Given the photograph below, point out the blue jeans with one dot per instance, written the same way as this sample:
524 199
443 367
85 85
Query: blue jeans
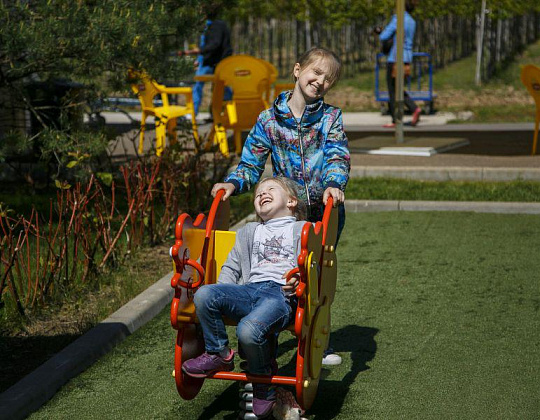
198 88
260 309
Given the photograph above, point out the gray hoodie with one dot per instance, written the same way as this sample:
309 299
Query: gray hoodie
237 267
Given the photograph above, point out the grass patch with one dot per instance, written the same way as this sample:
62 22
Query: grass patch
510 74
516 113
436 316
404 189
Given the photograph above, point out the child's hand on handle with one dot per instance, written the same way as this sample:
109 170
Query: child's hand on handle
227 186
335 193
292 283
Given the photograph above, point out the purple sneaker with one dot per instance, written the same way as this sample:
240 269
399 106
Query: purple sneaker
264 398
206 364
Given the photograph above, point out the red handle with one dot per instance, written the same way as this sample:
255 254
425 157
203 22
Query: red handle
200 271
213 211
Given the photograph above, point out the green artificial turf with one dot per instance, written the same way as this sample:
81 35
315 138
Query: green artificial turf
436 317
405 189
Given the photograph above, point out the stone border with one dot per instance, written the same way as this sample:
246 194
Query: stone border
359 206
457 173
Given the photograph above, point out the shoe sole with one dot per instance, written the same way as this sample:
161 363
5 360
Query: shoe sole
267 414
207 374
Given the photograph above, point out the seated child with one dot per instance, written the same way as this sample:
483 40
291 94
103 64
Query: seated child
252 290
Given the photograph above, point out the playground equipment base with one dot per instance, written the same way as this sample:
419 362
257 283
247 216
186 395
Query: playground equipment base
412 146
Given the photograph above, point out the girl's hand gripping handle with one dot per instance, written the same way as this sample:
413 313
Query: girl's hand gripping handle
226 186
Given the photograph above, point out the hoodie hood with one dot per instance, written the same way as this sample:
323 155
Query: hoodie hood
312 113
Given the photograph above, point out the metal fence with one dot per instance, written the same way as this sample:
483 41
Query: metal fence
504 38
447 38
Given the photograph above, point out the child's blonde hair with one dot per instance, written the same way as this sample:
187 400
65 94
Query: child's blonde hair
317 53
290 188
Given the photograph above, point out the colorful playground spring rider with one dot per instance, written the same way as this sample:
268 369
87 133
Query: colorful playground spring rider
201 248
530 77
165 115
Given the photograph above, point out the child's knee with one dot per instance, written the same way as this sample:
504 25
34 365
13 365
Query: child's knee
248 334
204 295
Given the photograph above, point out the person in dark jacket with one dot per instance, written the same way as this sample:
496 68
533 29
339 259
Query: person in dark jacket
214 46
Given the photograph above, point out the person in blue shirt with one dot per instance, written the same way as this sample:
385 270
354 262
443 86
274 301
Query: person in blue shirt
390 32
214 46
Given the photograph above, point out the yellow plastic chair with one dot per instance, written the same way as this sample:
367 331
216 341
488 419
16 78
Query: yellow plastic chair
280 87
530 76
272 77
249 80
274 87
165 116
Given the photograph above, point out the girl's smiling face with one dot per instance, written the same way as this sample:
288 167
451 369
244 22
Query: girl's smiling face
314 80
272 201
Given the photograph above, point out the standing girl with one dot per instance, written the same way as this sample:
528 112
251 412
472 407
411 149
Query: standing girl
306 141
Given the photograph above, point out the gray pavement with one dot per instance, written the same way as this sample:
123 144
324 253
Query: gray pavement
491 152
370 121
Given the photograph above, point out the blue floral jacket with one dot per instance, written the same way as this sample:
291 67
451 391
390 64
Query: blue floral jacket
313 151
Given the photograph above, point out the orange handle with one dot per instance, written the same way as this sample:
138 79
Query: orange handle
200 271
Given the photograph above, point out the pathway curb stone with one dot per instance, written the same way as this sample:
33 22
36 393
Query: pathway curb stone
429 173
360 206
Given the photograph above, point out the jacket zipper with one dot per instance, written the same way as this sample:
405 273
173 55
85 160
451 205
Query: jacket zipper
302 160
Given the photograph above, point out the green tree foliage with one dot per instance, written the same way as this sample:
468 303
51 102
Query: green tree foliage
93 43
85 40
343 11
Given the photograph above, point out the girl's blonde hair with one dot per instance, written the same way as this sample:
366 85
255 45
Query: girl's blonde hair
318 53
291 189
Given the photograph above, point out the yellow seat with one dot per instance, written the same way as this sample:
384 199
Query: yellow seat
249 80
165 116
273 87
530 76
280 87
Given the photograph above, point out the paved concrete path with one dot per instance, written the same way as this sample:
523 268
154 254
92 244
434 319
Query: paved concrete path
371 121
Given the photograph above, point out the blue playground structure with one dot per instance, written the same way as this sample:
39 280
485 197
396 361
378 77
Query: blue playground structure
424 89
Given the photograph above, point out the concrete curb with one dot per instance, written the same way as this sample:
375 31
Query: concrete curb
359 206
429 173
